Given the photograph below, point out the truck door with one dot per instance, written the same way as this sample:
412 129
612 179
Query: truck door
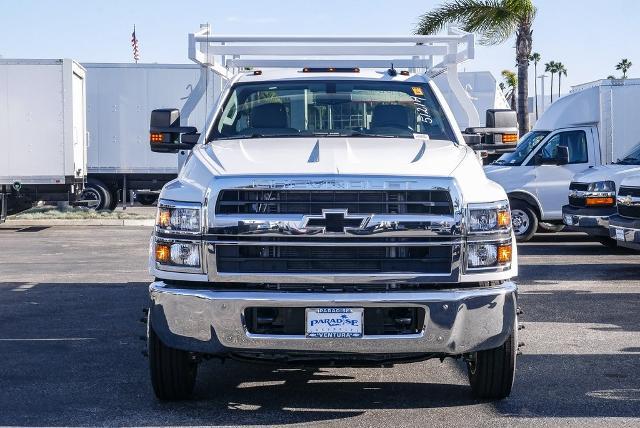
552 180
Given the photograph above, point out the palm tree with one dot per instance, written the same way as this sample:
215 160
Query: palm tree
624 66
496 21
550 67
535 57
560 69
511 82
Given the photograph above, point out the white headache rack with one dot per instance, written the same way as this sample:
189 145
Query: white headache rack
228 55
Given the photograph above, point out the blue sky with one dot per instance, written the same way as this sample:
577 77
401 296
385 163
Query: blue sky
588 36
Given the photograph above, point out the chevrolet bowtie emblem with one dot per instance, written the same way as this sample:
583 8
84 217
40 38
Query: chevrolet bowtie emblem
335 221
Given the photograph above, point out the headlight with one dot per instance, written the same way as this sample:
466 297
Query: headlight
179 216
487 255
489 217
602 186
177 254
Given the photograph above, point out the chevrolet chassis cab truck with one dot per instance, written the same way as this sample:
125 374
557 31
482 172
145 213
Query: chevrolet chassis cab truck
329 212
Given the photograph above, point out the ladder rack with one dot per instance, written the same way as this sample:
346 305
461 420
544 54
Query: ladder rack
228 55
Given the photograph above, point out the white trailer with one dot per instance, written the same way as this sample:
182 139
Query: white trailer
120 98
481 88
43 126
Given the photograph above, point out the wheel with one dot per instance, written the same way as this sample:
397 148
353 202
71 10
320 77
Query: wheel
97 194
607 241
524 220
549 227
146 199
492 372
173 371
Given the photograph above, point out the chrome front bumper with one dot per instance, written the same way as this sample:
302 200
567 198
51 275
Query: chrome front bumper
593 222
625 231
457 321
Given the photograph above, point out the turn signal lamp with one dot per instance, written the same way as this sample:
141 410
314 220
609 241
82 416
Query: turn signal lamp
164 218
606 201
504 218
504 254
155 137
163 253
509 138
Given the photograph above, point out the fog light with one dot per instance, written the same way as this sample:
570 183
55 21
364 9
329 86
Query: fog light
482 255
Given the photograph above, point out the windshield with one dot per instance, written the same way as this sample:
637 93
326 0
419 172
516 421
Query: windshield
526 144
331 108
632 158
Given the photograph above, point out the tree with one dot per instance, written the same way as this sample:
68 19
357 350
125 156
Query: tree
510 84
496 21
535 57
611 76
560 69
551 67
624 65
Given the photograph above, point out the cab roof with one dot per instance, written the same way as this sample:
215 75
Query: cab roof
299 74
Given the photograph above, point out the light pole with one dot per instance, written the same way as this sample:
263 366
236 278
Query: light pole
542 77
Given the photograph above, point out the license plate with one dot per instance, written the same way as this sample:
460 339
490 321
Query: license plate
334 323
619 234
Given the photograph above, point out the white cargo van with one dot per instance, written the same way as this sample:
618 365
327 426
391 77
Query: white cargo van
120 98
596 124
43 128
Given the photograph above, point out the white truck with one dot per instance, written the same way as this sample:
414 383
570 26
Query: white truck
43 126
120 98
329 212
592 197
596 124
624 226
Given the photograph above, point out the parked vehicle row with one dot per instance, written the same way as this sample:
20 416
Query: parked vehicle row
579 151
78 132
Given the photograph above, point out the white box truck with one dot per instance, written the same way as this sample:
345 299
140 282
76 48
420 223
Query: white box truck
596 124
43 126
120 98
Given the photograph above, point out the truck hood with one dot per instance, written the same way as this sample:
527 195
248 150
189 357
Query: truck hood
388 156
614 173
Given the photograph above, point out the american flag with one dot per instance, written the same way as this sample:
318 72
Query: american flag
134 44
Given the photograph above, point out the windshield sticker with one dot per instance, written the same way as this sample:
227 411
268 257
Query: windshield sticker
422 110
417 90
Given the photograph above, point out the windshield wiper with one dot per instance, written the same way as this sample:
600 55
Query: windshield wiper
628 161
366 134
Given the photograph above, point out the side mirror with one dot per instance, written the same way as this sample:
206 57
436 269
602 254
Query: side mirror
562 155
166 135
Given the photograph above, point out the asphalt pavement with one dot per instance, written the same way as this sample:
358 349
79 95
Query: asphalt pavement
71 354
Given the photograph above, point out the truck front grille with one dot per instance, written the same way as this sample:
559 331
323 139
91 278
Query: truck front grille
334 259
624 210
435 202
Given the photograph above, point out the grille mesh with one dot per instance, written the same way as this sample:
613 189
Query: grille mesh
336 259
436 202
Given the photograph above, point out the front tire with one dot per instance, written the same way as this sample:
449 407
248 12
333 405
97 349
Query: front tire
492 372
173 371
147 199
524 220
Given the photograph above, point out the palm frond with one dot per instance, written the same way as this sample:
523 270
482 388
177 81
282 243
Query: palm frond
492 19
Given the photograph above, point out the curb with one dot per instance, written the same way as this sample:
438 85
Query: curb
87 222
